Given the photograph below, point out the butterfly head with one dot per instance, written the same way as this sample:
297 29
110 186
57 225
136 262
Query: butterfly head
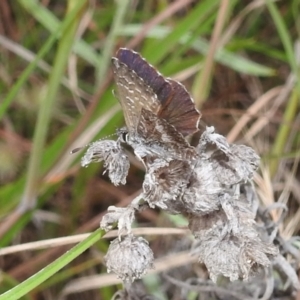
123 134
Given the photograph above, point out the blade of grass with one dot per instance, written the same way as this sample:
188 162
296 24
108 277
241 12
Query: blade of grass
291 108
285 38
29 56
223 56
13 229
66 275
159 18
283 33
193 20
11 193
35 280
46 108
52 23
118 22
8 283
296 12
256 46
44 50
202 83
284 131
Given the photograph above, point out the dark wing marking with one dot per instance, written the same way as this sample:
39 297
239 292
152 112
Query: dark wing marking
180 110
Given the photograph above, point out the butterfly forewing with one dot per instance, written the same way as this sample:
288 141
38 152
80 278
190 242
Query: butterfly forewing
173 101
139 86
132 93
158 112
153 79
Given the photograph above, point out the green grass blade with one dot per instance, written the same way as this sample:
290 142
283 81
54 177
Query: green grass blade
235 61
223 56
45 111
52 23
193 20
283 33
118 21
44 50
35 280
284 131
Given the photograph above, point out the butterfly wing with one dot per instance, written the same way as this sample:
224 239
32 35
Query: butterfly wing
180 110
157 131
151 78
140 86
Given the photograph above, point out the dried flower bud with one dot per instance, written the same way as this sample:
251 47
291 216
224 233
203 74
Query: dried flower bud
202 194
165 183
224 253
210 140
214 247
236 166
212 225
115 160
129 257
123 215
231 164
255 255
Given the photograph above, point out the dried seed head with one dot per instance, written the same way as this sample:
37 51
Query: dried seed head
115 160
210 141
255 255
215 247
231 164
123 215
236 166
165 183
224 253
129 257
202 195
203 182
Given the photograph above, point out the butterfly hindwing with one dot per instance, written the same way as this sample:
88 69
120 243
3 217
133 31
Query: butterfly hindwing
180 110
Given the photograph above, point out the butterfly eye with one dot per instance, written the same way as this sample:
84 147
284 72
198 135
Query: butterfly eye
124 137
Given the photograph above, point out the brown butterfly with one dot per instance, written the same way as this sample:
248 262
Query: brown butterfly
158 112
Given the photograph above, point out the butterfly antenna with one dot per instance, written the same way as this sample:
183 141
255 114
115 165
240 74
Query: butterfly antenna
75 150
110 135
